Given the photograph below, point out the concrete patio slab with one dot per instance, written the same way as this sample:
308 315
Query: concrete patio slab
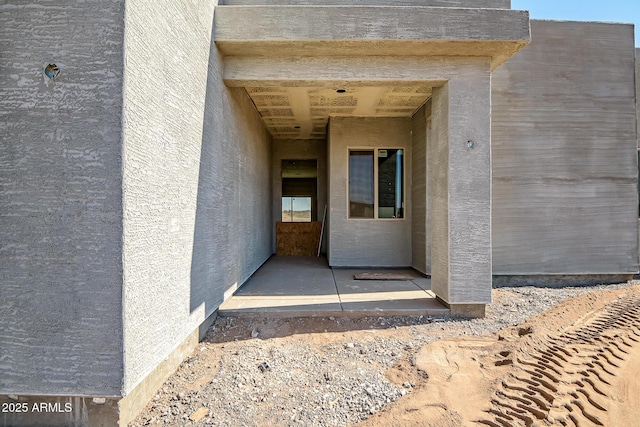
307 287
291 277
398 307
391 297
423 283
281 306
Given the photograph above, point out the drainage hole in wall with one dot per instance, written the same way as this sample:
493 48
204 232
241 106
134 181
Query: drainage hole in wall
52 71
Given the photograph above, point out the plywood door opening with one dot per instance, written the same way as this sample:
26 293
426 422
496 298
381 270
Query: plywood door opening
297 238
299 231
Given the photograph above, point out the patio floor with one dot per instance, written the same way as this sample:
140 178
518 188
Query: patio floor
308 287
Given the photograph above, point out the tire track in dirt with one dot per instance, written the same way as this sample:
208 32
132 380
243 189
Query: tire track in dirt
566 380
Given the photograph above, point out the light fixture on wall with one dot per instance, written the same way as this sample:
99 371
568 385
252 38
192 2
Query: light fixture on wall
470 144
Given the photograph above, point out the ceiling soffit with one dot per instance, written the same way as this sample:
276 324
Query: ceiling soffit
281 57
303 112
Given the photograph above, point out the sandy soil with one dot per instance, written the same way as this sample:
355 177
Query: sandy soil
577 364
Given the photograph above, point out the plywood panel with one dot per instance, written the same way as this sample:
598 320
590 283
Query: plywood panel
297 238
291 149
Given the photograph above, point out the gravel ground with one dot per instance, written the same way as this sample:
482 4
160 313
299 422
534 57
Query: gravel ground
320 371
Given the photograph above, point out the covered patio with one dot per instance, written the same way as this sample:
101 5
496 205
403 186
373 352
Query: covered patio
355 77
308 287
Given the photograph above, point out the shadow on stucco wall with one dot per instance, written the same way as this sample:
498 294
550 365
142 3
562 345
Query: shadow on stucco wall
205 271
232 234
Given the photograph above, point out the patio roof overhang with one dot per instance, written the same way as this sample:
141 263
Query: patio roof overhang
302 64
320 31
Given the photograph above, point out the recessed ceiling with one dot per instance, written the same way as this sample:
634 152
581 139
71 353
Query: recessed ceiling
299 168
303 112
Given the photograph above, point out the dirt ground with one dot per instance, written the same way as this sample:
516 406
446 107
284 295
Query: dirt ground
575 364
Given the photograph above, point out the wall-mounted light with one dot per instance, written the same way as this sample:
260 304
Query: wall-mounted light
470 144
52 71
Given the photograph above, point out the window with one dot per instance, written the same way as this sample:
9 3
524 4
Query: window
296 209
390 191
361 190
376 187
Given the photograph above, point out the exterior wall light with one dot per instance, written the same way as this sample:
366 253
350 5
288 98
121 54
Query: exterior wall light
470 144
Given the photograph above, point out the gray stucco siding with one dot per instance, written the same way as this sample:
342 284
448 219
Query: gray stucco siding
294 23
420 250
499 4
564 153
359 242
60 198
197 192
461 181
637 77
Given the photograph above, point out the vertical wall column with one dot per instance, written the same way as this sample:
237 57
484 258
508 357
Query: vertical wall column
460 160
420 235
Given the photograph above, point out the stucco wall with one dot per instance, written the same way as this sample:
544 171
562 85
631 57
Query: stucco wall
197 169
420 238
297 150
637 76
366 242
60 198
501 4
438 167
461 190
564 153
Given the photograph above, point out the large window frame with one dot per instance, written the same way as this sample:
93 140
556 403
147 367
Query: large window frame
376 153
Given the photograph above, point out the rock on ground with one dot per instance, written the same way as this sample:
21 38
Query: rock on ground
340 371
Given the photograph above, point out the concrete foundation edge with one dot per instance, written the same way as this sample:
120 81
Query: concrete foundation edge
560 280
99 411
134 402
466 311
